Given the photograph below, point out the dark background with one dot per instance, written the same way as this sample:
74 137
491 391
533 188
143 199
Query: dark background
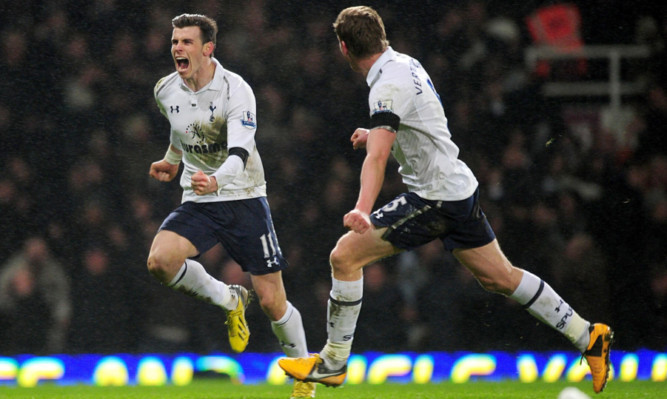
576 200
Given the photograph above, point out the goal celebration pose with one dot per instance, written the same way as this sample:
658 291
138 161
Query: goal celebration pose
212 116
408 121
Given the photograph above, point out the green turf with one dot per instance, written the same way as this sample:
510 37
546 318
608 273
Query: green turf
216 389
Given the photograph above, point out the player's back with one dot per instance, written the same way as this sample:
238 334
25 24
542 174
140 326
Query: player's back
428 157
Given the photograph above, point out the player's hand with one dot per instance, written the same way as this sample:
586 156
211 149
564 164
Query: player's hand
357 221
203 184
163 171
359 138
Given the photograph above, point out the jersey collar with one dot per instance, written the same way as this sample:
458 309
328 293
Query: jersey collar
215 84
376 70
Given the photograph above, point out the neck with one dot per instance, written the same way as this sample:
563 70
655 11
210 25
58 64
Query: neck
364 65
202 77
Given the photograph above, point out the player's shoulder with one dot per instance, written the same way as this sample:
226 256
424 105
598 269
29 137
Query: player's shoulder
165 83
400 69
397 78
236 86
235 80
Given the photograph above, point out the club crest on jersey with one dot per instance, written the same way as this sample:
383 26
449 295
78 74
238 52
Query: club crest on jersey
248 120
212 109
382 106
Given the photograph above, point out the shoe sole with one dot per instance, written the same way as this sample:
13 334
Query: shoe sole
326 382
610 338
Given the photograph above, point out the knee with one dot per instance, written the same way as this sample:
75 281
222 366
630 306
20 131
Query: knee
340 261
161 267
273 306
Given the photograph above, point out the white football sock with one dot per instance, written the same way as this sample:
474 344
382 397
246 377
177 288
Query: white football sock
192 279
541 301
343 311
290 333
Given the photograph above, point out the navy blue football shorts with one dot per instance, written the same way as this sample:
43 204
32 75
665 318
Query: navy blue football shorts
412 221
243 227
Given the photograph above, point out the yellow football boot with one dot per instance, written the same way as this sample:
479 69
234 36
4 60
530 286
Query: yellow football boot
303 389
237 327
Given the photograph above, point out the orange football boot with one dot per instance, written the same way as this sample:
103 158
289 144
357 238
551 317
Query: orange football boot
312 369
597 354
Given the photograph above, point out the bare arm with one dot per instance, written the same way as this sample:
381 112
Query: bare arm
378 149
359 138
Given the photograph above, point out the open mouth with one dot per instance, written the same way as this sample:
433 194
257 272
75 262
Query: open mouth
182 63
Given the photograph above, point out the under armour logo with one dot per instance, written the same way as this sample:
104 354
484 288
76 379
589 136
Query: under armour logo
173 108
287 344
559 305
212 108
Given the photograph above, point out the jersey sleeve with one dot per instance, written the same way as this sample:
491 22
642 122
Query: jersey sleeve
386 107
241 128
156 91
241 118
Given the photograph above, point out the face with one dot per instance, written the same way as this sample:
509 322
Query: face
188 50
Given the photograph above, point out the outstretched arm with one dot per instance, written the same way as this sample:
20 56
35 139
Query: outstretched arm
378 149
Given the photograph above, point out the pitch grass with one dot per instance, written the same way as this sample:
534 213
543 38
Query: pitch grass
218 389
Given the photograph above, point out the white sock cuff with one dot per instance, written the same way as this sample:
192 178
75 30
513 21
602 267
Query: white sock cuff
577 332
286 316
347 291
529 288
179 275
336 354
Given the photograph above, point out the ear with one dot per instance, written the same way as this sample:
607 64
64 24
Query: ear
343 47
208 48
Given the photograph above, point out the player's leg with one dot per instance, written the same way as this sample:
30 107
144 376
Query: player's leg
286 321
252 241
168 262
185 233
496 274
352 252
395 225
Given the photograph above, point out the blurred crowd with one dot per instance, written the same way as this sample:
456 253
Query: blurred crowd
585 211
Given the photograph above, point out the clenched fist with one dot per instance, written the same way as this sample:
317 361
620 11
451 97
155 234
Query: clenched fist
203 184
357 221
163 171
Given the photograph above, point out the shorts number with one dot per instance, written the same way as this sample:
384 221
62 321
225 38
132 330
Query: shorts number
267 246
393 205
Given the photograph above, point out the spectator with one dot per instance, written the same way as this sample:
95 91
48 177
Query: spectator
35 298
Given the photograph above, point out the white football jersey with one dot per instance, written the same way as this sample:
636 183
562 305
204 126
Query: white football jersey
206 123
424 149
